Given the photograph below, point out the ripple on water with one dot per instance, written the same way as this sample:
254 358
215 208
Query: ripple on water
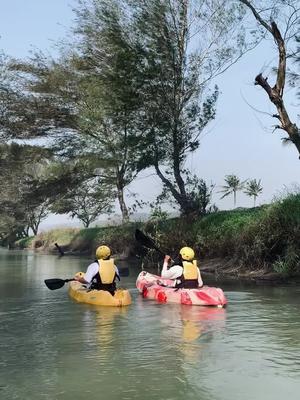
148 350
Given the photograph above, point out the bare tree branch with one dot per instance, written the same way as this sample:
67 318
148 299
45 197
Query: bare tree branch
276 92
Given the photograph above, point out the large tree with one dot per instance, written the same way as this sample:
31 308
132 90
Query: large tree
86 201
94 87
183 45
20 208
110 106
30 106
134 89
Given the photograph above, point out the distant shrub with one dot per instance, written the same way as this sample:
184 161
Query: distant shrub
24 243
288 265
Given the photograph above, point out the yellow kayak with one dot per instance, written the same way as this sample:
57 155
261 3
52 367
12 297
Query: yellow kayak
99 297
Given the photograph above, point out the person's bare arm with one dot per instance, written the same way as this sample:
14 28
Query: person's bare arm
200 282
80 279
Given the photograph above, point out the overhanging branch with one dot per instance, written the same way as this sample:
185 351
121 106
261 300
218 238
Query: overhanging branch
275 93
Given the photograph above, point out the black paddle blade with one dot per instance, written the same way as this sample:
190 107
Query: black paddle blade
54 283
123 271
146 241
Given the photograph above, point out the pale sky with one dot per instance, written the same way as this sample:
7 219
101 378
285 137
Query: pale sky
239 141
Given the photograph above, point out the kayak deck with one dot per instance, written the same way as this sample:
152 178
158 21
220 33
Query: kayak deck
151 288
99 297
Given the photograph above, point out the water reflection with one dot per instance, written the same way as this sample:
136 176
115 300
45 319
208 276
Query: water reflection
192 327
60 349
101 328
200 320
205 322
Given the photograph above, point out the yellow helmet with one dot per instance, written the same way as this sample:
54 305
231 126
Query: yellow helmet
103 252
187 253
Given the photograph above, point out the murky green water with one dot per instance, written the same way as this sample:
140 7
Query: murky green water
54 348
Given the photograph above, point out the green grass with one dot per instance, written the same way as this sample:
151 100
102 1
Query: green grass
25 242
86 240
261 237
61 236
266 236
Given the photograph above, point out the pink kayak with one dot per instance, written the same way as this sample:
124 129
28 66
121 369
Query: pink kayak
151 288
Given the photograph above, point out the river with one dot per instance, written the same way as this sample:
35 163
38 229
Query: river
54 348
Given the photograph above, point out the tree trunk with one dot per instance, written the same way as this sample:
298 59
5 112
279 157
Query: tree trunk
181 198
123 207
178 94
34 223
276 92
120 194
86 224
276 98
177 171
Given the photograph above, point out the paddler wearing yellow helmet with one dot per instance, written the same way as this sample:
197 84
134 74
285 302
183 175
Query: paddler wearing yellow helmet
102 273
184 271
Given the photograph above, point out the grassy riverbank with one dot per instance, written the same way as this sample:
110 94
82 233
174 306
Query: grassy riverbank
264 239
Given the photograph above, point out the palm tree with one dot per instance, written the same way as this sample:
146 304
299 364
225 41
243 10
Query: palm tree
253 189
233 185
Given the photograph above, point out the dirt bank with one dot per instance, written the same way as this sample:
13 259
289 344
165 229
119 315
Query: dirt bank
226 269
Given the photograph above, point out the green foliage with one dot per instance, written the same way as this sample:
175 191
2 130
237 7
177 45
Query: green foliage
61 236
20 207
156 220
157 214
24 243
34 103
256 237
218 232
109 104
130 92
198 196
262 237
86 202
134 90
119 238
177 106
287 265
93 88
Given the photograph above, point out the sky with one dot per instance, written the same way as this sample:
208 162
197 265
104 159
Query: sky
239 141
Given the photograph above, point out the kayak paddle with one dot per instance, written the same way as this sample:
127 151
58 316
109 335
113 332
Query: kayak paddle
146 241
56 283
123 271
